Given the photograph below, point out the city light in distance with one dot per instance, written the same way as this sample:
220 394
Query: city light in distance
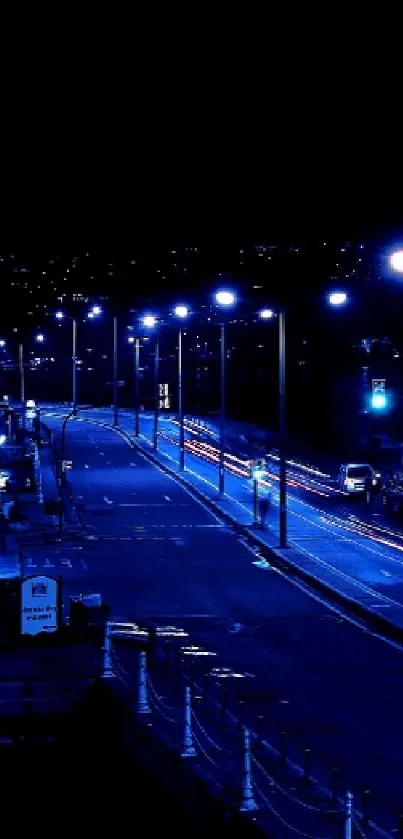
40 338
225 298
149 321
2 343
337 298
96 310
59 315
266 314
130 339
396 261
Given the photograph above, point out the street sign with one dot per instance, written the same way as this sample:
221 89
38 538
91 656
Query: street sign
67 465
39 605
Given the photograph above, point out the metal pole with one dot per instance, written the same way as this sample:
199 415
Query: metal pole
22 379
188 747
282 433
156 391
3 530
247 803
115 371
61 462
107 668
348 815
180 405
142 693
255 502
22 382
222 410
74 360
137 387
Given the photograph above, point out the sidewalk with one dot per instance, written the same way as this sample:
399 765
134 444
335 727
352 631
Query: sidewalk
347 571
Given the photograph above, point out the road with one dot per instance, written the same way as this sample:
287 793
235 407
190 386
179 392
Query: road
155 552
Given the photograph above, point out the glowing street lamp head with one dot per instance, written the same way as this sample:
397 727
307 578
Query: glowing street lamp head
337 298
59 315
40 337
396 261
96 310
225 298
181 311
149 321
379 401
266 314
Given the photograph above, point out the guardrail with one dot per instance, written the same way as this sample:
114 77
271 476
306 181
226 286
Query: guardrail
255 778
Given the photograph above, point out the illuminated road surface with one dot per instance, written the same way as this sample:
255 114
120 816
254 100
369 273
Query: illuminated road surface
153 551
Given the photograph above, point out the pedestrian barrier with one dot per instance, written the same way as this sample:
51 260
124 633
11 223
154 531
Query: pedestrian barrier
261 781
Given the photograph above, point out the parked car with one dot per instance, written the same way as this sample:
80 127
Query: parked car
356 479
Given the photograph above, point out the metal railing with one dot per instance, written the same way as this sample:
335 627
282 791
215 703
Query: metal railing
259 780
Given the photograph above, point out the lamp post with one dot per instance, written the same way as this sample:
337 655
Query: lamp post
282 430
335 299
224 299
149 321
136 369
59 315
115 372
181 312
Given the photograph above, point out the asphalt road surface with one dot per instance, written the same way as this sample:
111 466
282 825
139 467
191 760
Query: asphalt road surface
155 552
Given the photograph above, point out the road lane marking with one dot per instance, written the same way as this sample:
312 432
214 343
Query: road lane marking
167 498
107 500
133 464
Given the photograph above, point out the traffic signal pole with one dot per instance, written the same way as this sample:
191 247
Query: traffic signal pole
282 433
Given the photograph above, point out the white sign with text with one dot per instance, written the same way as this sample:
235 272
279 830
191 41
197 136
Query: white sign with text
39 604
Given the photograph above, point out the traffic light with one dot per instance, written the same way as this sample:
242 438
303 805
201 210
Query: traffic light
379 399
258 468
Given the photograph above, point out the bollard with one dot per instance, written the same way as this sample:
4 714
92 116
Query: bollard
366 797
348 815
283 748
142 700
107 669
334 785
188 747
306 763
247 803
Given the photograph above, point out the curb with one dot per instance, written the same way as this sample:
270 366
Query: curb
379 624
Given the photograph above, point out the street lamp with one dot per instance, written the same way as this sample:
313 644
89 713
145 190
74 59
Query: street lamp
39 338
396 261
150 321
335 299
224 299
136 358
182 313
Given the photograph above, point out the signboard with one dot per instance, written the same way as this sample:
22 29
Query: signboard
164 398
67 465
39 605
